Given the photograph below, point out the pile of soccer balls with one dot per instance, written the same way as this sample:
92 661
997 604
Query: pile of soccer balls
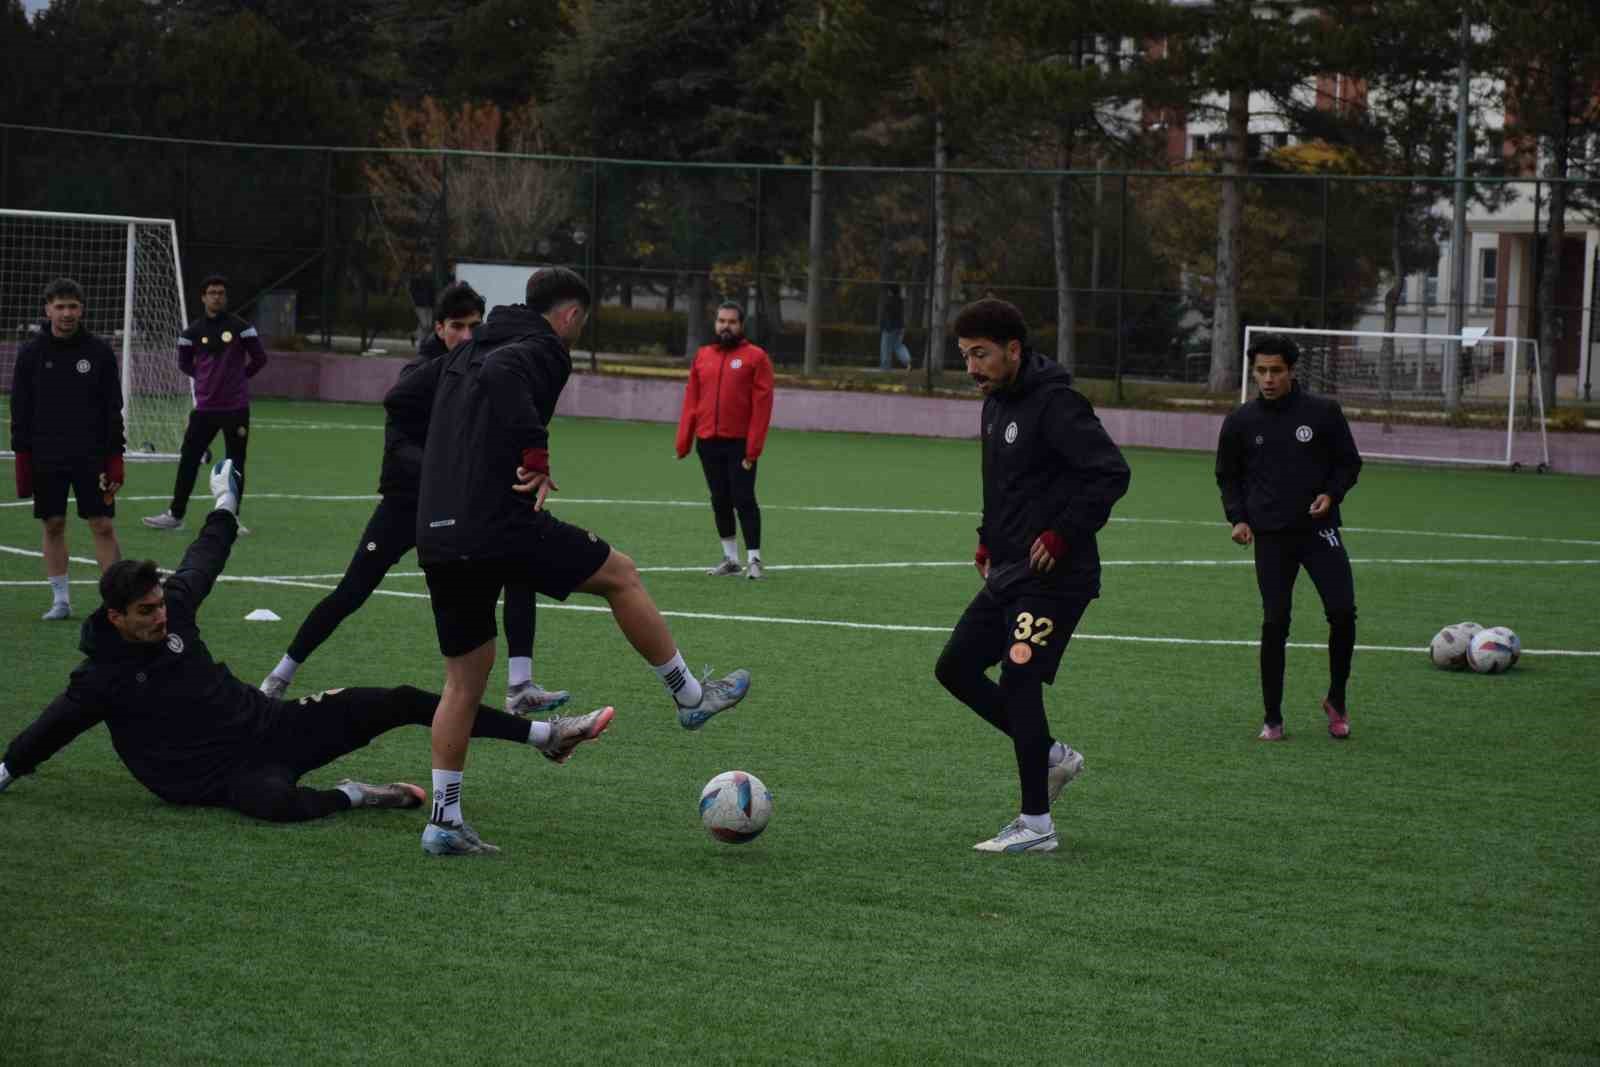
1466 644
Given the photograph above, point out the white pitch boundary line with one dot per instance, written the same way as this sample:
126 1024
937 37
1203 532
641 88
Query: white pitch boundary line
883 627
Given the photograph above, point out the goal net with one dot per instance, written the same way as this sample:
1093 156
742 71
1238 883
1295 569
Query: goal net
133 300
1426 398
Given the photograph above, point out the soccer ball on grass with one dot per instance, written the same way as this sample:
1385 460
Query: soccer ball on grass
1494 650
735 807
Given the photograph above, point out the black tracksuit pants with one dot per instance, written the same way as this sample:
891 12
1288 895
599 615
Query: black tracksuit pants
1279 557
316 730
733 489
197 436
392 532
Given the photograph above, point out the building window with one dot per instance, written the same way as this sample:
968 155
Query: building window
1488 277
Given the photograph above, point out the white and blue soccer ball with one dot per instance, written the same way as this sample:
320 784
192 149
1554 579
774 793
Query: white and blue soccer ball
735 807
1448 649
1494 651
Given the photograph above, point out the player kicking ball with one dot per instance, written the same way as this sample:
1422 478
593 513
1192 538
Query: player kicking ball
1050 477
192 733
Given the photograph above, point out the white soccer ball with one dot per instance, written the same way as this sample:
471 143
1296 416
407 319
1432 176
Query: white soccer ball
735 807
1494 650
1448 649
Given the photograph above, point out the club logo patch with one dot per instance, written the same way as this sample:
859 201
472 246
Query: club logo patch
227 336
205 340
372 546
175 643
1021 653
1259 439
1303 434
1011 433
83 366
736 364
243 430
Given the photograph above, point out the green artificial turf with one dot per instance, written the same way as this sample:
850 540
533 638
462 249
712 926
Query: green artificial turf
1427 891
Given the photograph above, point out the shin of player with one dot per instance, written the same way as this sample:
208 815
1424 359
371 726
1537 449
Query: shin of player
1050 477
1285 461
66 431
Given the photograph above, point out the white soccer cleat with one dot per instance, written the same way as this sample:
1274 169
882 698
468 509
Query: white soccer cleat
274 686
1060 774
58 610
715 697
567 732
1014 836
164 521
455 839
392 795
724 569
529 698
754 572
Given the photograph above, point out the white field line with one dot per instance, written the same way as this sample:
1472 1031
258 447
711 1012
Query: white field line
864 510
842 624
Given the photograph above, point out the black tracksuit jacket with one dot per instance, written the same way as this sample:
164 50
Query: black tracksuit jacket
490 399
66 398
1048 464
179 720
1274 457
406 432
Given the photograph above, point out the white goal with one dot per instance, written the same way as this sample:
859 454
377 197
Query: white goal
133 300
1426 398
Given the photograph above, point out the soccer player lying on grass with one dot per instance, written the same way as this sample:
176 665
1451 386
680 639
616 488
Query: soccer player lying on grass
1050 477
192 733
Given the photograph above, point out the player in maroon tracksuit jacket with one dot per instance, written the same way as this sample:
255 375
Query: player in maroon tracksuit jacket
221 352
66 431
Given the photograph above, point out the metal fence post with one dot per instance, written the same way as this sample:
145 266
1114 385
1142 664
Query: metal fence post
1122 283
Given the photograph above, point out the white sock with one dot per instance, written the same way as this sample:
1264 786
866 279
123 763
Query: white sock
755 555
539 733
519 670
286 668
446 796
59 589
683 686
730 549
1039 824
352 790
1058 752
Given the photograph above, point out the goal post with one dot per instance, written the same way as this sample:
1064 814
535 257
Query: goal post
1400 382
132 278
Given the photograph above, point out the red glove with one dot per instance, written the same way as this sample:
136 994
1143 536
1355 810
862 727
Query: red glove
981 556
1053 544
111 478
24 475
536 460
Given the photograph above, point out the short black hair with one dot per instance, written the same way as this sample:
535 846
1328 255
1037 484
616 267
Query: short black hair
213 279
729 305
997 320
1272 344
128 580
60 287
457 301
556 285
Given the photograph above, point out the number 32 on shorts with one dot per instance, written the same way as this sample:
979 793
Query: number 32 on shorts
1033 630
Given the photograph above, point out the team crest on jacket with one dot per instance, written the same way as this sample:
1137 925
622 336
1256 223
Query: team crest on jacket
1302 434
1011 433
175 643
736 364
227 337
83 366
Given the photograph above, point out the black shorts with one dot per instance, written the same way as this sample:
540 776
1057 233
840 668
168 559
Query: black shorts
464 592
51 479
1027 633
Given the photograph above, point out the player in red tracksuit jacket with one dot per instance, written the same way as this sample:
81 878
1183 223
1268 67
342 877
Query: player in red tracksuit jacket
727 408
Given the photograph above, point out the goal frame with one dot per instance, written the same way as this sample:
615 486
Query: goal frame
1468 338
130 223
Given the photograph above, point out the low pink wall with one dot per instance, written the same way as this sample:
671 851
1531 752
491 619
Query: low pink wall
324 376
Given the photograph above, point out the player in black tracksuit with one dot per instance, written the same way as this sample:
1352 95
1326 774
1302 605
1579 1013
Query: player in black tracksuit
1050 477
66 431
481 522
190 731
1285 460
391 532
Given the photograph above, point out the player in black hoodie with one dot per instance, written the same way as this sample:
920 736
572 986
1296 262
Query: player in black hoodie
391 532
1284 462
1050 477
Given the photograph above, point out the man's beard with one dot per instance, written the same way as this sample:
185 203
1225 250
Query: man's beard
728 339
